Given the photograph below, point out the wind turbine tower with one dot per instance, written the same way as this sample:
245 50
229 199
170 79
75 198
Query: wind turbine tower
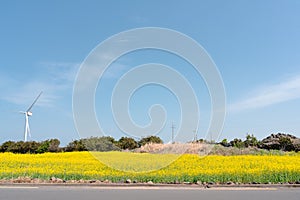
27 114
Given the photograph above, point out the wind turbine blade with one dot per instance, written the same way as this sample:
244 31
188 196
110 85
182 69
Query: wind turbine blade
34 102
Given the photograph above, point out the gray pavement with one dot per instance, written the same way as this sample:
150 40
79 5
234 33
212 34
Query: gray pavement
15 192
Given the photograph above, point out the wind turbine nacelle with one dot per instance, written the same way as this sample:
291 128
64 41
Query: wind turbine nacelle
29 113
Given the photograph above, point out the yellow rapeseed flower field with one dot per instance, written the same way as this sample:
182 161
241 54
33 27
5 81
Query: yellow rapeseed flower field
139 167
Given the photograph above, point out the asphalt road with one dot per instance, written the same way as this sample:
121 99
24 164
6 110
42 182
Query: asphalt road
144 193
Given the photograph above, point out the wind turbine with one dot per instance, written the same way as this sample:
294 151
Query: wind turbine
27 114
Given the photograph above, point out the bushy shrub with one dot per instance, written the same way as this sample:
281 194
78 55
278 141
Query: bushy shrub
127 143
150 139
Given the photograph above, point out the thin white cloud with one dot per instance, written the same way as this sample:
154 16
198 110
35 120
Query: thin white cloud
56 79
269 95
115 71
91 69
65 71
24 94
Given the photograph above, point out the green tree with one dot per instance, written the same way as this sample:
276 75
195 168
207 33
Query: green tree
76 145
127 143
297 147
17 147
237 143
201 141
51 145
286 144
29 147
251 141
225 143
149 139
100 144
43 147
54 145
6 145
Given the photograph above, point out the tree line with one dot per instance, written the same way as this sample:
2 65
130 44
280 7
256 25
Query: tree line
105 143
279 141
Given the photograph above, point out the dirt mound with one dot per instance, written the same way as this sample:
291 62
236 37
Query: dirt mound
176 148
281 141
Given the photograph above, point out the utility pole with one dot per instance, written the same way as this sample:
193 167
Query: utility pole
195 135
173 128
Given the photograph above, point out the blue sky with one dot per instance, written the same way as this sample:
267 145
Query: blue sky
254 44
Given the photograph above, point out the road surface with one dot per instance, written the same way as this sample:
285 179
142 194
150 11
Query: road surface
144 193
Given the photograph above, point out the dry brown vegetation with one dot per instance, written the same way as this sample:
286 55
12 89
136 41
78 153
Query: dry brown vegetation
176 148
203 149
